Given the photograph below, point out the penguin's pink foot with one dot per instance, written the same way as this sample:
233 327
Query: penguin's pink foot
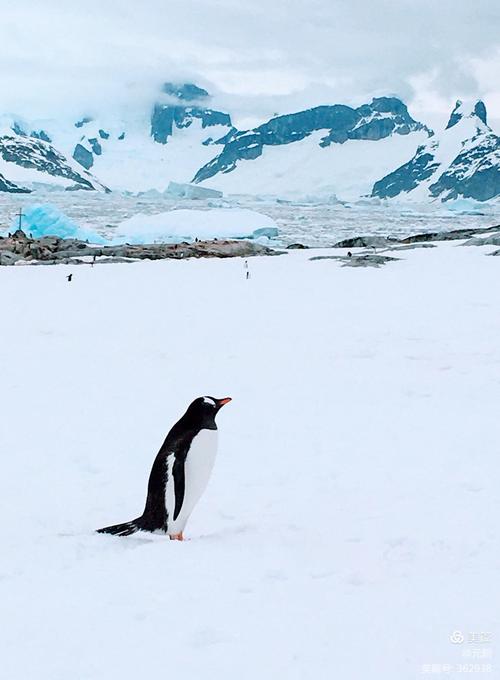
176 537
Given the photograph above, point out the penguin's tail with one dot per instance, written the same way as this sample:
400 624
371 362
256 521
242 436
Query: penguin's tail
125 529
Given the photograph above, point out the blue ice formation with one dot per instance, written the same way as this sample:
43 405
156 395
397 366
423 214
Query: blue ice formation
46 220
170 227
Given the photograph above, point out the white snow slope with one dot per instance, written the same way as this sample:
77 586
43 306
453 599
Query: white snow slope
137 162
348 170
351 524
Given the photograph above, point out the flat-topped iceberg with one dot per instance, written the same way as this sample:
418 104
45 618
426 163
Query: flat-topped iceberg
191 191
186 225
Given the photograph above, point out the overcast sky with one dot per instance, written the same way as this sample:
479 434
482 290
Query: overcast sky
258 56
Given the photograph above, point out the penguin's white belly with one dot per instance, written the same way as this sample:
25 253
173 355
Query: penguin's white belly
198 467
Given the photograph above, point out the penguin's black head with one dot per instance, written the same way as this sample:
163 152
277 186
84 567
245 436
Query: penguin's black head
202 411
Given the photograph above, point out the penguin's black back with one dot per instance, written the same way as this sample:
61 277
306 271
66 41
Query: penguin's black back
200 415
177 442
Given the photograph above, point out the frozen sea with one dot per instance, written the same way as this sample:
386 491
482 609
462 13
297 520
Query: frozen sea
311 222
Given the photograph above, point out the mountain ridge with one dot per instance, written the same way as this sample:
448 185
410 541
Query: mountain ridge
332 149
463 161
343 122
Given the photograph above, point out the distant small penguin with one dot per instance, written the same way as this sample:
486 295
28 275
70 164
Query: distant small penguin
69 277
180 473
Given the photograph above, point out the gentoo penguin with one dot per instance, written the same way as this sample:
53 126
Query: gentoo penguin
180 472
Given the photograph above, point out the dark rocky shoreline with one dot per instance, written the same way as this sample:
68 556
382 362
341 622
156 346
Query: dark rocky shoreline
19 247
388 241
376 248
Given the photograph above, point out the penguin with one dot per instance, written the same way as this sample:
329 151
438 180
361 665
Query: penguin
180 473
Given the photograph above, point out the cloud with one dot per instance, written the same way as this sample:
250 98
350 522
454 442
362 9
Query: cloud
65 56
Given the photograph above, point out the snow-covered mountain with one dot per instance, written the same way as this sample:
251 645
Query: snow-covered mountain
326 150
336 148
463 161
169 141
28 159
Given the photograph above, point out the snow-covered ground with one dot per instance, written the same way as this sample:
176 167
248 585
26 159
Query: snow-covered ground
351 524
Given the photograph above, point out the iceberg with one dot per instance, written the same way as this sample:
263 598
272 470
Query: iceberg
187 225
46 220
166 227
192 191
467 206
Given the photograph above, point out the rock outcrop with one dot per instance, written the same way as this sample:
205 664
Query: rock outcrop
390 241
54 250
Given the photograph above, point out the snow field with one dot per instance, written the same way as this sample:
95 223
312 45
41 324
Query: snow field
351 522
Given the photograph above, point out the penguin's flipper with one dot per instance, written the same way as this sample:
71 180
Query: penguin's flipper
179 485
125 529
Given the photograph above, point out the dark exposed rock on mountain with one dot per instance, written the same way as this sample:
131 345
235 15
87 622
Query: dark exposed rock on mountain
383 117
463 162
36 154
458 113
83 156
182 110
341 157
408 176
185 91
11 188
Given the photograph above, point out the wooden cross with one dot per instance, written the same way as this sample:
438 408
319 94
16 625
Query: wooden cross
20 214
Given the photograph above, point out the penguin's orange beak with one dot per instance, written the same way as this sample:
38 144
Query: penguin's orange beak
222 402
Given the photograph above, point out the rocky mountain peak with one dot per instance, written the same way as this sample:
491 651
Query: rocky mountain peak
187 107
337 123
467 110
463 161
186 92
